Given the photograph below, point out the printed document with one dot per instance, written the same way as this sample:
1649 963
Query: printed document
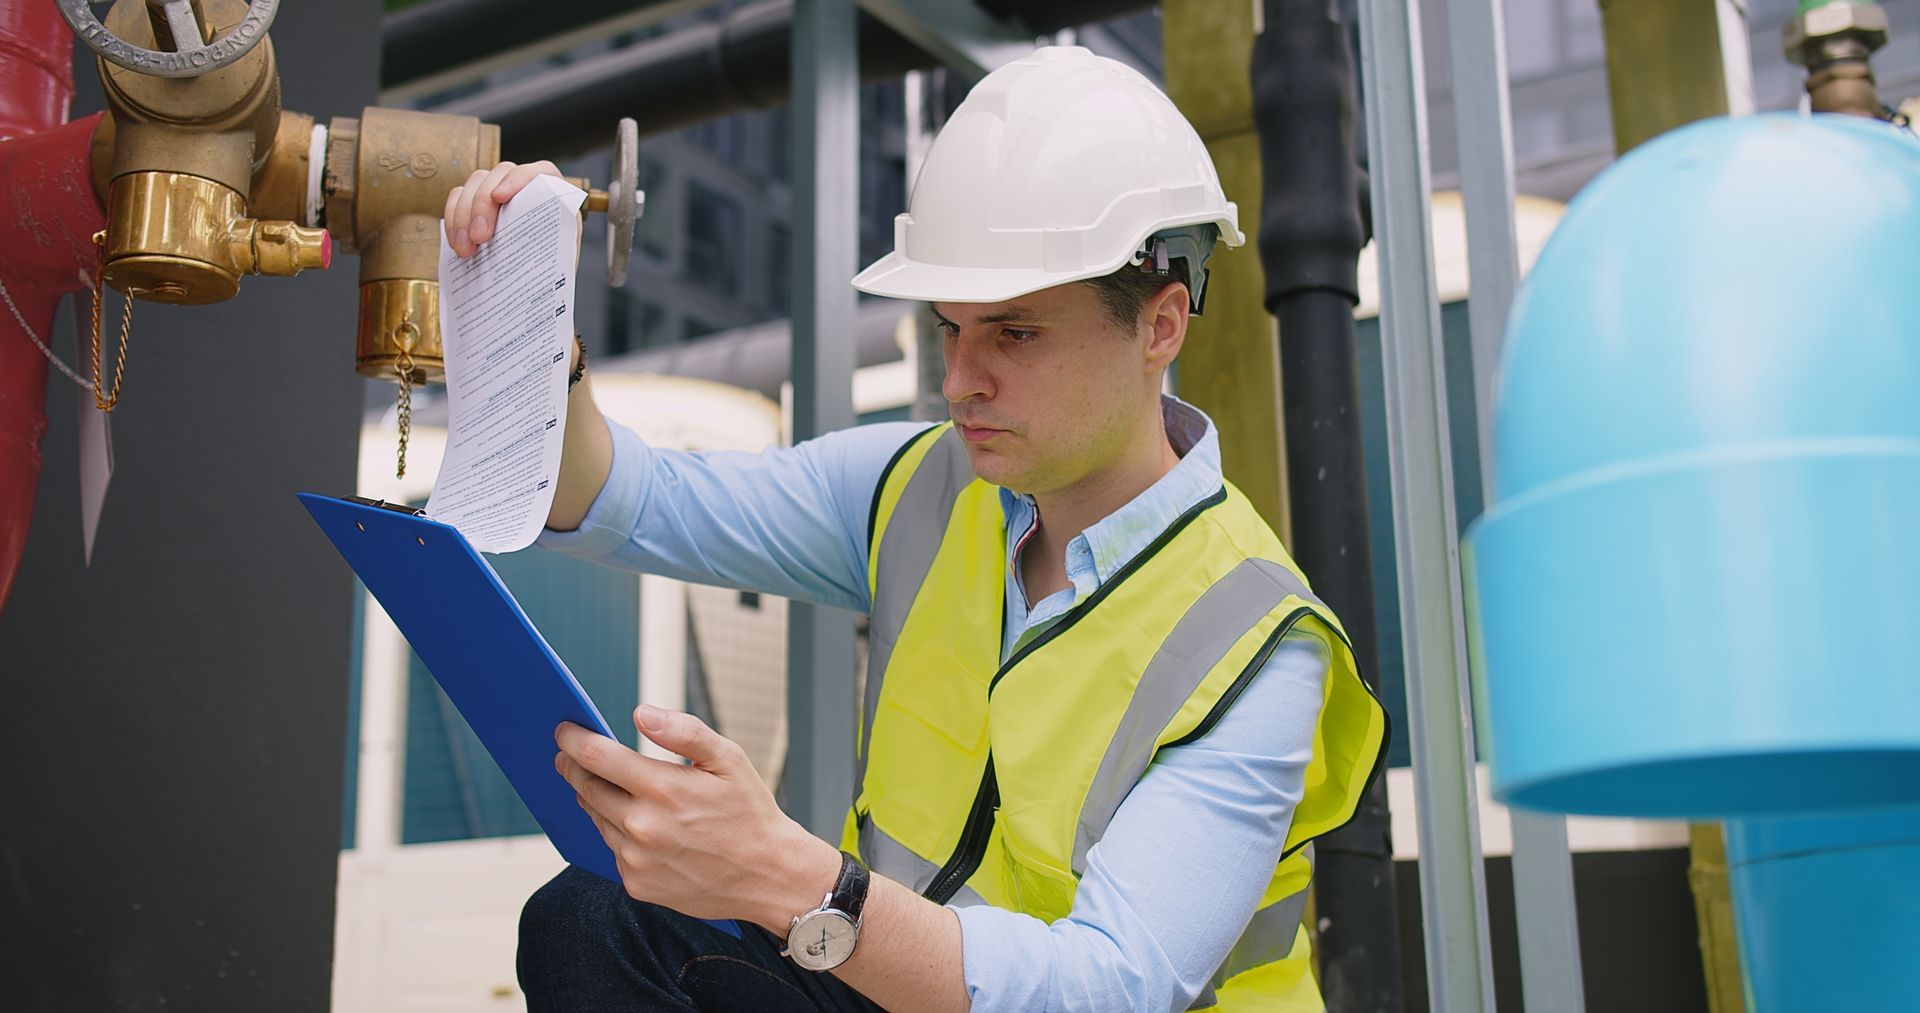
506 321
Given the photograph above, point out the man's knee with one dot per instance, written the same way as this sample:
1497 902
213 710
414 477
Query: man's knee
576 918
569 904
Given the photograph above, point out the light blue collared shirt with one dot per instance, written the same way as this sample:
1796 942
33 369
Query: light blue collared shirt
1186 858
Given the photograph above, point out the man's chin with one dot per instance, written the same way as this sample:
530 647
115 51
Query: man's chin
995 468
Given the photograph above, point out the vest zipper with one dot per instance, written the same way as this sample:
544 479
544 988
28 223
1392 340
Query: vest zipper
965 860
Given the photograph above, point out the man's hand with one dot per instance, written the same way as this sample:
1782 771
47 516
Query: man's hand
473 207
706 840
473 211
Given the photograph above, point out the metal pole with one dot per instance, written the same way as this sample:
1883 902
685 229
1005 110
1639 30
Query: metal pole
1426 545
826 208
924 108
1543 899
1310 236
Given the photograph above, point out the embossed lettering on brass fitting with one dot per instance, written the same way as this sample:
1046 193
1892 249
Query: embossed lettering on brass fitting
388 174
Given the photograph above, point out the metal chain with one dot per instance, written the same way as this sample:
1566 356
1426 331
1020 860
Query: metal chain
7 298
106 400
403 370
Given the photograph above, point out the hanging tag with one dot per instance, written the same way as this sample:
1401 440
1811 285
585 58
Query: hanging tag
96 442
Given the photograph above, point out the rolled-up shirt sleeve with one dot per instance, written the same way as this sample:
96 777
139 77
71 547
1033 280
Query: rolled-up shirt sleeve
1182 867
790 521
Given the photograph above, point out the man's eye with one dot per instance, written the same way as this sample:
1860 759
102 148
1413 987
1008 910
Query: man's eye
948 328
1018 336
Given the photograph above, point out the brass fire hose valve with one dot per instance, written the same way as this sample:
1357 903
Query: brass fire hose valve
194 96
182 27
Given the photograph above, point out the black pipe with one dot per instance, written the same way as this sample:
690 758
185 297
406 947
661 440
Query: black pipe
1311 233
1049 16
695 73
439 35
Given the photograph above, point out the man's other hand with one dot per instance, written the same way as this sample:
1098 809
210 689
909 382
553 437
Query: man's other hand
704 838
473 207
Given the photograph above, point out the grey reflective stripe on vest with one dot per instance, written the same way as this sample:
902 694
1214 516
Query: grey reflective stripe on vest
895 861
911 541
1209 629
1269 936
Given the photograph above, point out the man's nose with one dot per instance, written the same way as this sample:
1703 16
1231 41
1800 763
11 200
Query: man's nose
968 375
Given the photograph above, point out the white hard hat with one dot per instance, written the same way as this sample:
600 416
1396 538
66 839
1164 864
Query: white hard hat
1058 167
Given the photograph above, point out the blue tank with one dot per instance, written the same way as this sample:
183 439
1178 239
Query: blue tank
1697 593
1828 910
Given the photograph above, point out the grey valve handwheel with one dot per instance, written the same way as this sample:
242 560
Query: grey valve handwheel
625 201
192 61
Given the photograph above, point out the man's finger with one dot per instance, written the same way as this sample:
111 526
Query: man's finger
487 201
517 181
605 797
458 218
446 217
608 759
688 736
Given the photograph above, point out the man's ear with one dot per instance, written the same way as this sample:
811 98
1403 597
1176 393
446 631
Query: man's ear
1163 321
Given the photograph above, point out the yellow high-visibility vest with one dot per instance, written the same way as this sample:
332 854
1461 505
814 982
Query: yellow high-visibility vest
984 782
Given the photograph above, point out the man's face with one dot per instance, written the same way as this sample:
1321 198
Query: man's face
1046 388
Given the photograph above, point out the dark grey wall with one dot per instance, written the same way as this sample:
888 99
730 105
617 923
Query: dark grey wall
172 719
1639 941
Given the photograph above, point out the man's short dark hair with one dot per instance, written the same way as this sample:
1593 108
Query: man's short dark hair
1125 291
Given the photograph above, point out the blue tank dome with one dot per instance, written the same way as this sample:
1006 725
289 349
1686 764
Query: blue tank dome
1697 592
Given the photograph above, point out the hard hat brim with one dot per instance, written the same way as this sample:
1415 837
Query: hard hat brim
897 277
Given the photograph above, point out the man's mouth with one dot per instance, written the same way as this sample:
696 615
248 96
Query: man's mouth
977 434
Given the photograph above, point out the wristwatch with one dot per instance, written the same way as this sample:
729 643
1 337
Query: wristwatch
823 939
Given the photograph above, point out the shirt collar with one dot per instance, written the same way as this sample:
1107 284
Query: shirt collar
1116 538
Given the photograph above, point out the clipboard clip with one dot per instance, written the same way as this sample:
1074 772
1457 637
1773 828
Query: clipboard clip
399 508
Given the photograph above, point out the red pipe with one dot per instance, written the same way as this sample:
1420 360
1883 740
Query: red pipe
48 215
36 67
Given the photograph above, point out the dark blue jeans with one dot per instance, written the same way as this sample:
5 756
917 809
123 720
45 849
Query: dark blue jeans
587 947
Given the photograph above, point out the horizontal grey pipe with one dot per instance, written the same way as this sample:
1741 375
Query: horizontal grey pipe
696 73
757 357
439 35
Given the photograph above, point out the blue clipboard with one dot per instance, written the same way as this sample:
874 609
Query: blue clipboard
508 684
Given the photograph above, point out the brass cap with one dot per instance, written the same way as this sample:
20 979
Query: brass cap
400 315
278 248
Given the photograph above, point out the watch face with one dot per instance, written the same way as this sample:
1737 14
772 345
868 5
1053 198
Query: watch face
822 940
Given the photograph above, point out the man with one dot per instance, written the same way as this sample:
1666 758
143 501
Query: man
1104 714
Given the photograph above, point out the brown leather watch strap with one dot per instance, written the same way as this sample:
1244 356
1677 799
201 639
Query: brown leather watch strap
850 890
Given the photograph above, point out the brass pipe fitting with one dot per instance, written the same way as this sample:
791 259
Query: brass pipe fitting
400 315
177 161
387 178
282 249
219 125
1846 86
280 184
1834 42
183 239
279 187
